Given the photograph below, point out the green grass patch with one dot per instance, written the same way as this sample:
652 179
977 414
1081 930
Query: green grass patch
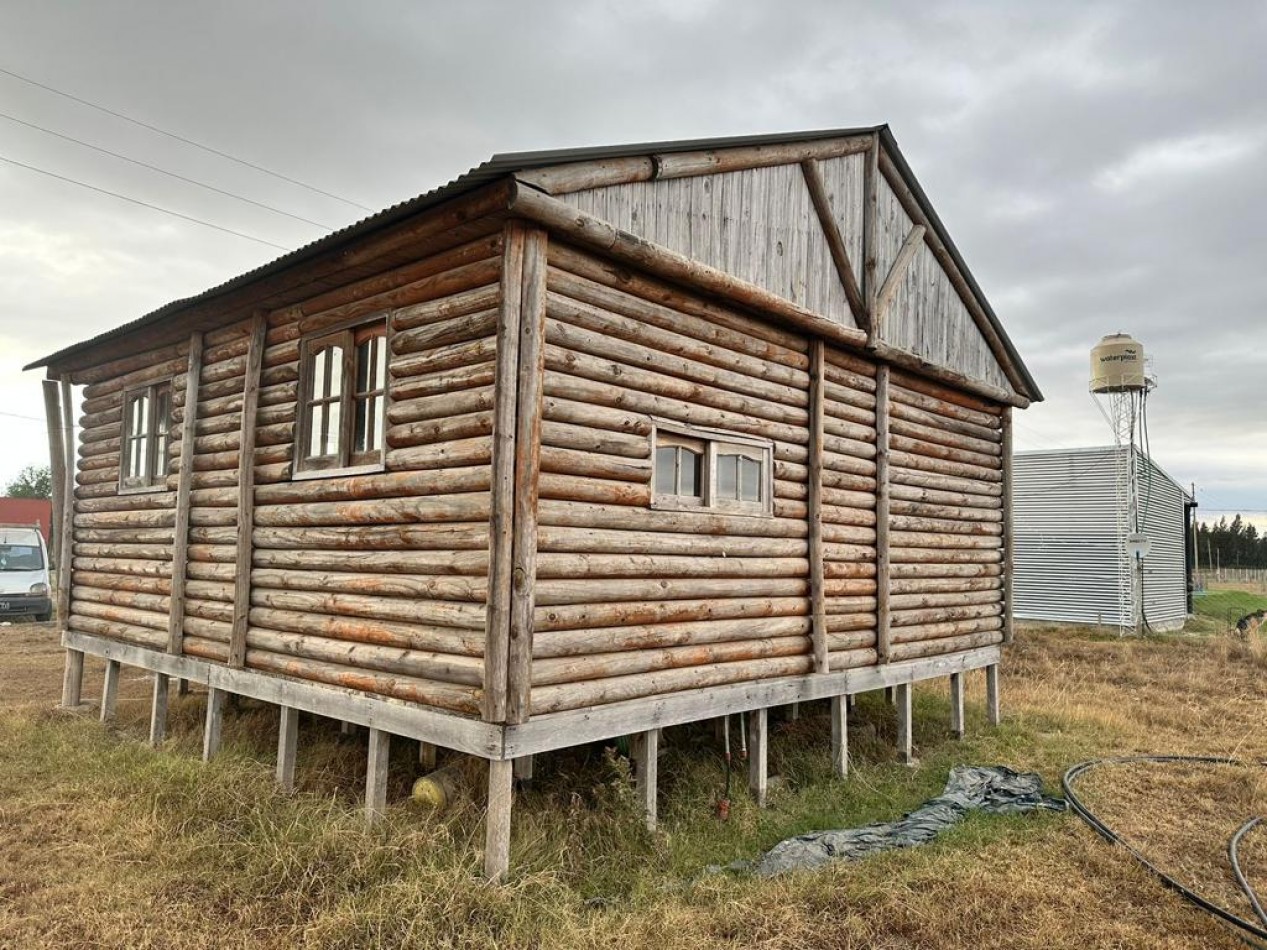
1227 606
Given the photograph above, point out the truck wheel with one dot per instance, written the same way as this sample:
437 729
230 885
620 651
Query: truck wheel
44 618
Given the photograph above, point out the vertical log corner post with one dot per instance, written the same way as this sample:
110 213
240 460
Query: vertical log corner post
246 490
73 676
818 597
184 484
501 519
57 467
1009 548
883 617
531 382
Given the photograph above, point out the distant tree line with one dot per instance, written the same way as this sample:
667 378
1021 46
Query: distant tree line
32 482
1234 543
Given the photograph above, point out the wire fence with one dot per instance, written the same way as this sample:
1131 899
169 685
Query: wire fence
1252 577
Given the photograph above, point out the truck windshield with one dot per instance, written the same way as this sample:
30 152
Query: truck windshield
20 557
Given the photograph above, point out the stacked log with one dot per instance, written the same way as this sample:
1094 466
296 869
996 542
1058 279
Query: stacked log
633 599
121 569
379 581
946 525
849 509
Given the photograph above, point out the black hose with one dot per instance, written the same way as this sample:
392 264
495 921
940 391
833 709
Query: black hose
1245 928
1233 855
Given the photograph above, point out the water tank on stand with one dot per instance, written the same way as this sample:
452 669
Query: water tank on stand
1117 365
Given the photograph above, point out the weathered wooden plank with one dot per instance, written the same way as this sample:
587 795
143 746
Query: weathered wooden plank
395 716
905 724
646 758
814 466
502 496
110 691
758 755
1009 542
527 476
956 705
158 710
184 487
246 491
883 550
376 775
836 244
840 736
501 781
213 727
287 747
992 712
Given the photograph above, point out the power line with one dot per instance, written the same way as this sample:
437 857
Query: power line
163 171
143 204
181 138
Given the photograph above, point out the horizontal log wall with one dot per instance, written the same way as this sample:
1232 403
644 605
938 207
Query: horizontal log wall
946 523
120 584
634 600
849 509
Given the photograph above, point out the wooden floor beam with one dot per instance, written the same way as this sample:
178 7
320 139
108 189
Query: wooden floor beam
158 711
110 691
73 678
758 755
646 757
840 736
992 713
287 747
905 725
376 775
956 705
501 782
212 728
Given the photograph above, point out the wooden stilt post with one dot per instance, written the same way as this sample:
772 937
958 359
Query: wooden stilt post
182 687
646 756
905 742
110 691
497 823
215 718
992 694
956 705
158 711
794 712
376 775
287 747
523 768
758 734
73 679
840 735
427 756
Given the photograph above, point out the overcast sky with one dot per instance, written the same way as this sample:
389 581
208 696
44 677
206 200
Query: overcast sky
1100 166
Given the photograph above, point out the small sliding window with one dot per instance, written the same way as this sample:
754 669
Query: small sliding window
342 401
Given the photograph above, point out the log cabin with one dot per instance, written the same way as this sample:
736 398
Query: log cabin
581 445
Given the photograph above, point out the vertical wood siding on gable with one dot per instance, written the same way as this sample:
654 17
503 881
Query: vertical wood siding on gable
927 316
758 225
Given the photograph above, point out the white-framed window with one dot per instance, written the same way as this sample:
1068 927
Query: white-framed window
342 411
710 469
147 421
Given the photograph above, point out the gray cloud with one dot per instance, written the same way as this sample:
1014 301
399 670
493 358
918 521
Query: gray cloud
1100 165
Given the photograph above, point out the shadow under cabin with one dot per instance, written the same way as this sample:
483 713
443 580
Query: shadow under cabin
584 444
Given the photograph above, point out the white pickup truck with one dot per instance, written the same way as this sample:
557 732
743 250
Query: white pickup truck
24 582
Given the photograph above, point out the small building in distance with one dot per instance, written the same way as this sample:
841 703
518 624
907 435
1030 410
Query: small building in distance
28 511
1070 563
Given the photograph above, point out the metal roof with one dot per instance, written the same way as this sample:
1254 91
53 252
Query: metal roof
506 163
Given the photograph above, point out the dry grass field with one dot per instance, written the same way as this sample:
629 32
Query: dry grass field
106 843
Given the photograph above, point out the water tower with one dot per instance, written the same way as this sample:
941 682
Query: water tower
1120 384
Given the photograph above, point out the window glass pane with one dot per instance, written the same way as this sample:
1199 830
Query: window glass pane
749 479
319 360
689 465
380 362
335 369
727 476
666 470
369 424
333 430
316 419
365 365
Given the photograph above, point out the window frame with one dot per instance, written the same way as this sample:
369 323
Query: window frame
345 461
154 478
714 442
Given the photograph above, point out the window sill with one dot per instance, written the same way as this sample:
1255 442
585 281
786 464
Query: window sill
141 490
304 475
